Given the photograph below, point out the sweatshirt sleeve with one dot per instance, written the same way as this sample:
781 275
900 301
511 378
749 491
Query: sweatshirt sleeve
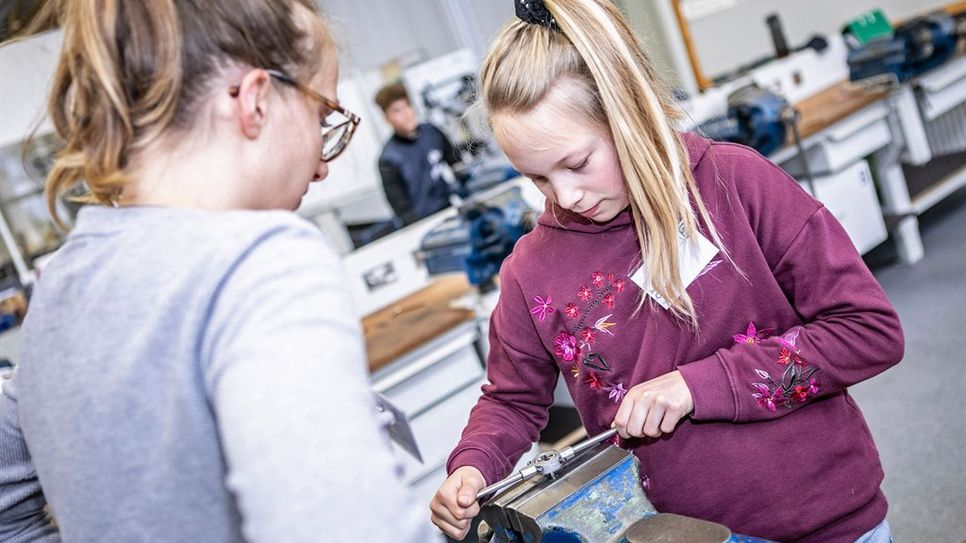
514 406
288 384
23 517
849 331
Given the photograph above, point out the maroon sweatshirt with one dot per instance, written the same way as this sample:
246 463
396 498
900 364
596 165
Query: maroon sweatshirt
775 447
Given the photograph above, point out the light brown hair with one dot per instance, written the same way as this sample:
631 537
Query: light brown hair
131 70
618 90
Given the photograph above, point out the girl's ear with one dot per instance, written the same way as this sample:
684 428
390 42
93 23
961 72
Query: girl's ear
251 103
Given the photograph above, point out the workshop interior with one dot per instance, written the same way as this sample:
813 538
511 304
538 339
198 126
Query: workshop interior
861 102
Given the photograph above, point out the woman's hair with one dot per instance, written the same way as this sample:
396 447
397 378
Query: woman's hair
131 70
614 87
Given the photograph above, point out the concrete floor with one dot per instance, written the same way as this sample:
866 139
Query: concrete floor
917 410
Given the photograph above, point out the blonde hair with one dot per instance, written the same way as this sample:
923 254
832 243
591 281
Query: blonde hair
620 91
130 71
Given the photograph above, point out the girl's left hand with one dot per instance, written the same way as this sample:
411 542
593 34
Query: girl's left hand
654 408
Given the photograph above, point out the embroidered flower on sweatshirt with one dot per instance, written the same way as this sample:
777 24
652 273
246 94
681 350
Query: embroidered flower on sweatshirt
572 311
594 381
619 285
768 399
588 335
752 335
789 338
609 300
584 294
597 278
566 346
803 391
543 307
795 384
616 392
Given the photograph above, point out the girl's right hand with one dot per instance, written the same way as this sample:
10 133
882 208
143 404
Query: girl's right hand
454 504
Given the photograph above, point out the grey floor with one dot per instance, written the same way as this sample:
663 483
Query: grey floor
917 410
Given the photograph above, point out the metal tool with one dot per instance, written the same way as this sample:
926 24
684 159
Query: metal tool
397 424
546 463
588 493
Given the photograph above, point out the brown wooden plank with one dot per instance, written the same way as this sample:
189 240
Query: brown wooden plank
831 105
399 328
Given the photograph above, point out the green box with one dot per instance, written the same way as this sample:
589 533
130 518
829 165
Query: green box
869 26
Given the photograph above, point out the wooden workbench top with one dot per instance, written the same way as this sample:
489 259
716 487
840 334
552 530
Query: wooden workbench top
830 106
412 321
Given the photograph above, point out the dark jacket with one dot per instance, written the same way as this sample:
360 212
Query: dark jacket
411 173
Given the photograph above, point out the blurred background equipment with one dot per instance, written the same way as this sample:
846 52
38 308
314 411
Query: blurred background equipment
879 54
479 238
754 118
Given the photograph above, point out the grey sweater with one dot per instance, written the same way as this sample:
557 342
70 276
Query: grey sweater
196 376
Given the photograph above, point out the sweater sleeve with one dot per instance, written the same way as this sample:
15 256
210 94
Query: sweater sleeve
514 406
288 384
397 193
23 517
849 331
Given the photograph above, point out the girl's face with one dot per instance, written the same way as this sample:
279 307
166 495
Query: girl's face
573 163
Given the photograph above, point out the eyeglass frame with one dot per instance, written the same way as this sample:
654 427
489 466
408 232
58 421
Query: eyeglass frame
352 119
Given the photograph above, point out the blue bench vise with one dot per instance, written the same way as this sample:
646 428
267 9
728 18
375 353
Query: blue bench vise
595 497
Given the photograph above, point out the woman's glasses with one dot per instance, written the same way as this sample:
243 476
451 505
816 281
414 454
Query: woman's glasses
338 126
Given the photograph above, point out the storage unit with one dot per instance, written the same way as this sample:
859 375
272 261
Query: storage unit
850 196
436 385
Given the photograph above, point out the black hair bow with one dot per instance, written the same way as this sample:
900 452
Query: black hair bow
535 13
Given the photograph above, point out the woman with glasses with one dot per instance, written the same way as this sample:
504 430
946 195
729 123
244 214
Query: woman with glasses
190 367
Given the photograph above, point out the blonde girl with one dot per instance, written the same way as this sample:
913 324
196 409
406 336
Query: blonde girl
690 293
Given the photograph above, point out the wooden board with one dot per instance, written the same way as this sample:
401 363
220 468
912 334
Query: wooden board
830 106
403 326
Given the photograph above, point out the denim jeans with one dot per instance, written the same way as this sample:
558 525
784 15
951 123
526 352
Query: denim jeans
880 534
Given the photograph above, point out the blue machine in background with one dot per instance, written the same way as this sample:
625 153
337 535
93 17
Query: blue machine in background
754 118
479 238
914 47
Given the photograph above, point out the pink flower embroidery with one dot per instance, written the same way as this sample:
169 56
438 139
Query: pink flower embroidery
619 285
594 381
598 279
802 392
589 335
752 335
789 338
584 294
767 398
610 277
617 392
566 346
572 311
543 308
784 356
609 299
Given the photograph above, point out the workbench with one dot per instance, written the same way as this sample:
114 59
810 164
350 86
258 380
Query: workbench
840 126
424 356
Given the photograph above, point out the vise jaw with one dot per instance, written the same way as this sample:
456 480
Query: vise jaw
595 498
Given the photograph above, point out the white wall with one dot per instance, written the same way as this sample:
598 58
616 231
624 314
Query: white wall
736 36
374 32
728 37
